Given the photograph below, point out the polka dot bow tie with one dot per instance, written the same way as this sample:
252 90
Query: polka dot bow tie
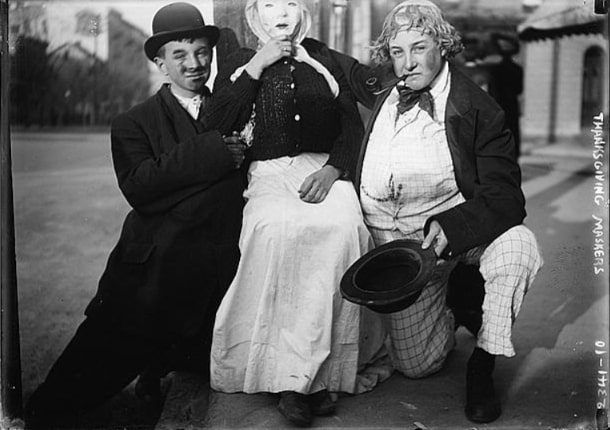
409 98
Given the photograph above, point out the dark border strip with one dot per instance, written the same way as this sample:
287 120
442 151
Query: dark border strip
10 357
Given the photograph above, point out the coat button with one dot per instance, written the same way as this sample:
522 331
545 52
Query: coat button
297 117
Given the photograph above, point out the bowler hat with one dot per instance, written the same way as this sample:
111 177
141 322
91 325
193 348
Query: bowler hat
390 277
177 21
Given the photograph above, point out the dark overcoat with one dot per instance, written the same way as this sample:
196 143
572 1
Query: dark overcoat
178 248
482 151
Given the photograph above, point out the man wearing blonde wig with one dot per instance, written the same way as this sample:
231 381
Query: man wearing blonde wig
438 165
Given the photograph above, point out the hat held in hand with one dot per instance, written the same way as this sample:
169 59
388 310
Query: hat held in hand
390 277
178 21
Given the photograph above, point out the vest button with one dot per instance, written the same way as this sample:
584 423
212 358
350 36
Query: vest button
297 117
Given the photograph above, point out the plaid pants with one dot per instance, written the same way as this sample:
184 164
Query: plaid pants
422 335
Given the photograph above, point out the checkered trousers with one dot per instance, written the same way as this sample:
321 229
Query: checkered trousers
423 334
508 265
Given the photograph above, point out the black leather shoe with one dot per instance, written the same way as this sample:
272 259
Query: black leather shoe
295 408
45 410
482 403
148 391
322 404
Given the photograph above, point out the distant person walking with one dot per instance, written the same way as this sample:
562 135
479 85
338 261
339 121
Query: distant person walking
507 78
178 249
471 64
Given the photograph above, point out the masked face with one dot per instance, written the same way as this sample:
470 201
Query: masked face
186 64
415 56
279 17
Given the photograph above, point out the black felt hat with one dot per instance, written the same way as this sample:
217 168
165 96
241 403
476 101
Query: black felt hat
389 278
177 21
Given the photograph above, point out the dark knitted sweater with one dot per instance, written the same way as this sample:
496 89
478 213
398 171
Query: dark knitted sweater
294 108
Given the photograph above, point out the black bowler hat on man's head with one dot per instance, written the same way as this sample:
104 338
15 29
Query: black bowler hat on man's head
177 21
389 278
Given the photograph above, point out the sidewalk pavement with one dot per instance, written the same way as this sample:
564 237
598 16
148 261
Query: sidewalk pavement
550 384
563 148
544 389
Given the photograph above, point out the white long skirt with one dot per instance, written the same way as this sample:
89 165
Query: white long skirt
283 325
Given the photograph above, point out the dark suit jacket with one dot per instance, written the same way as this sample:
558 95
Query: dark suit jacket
483 155
178 249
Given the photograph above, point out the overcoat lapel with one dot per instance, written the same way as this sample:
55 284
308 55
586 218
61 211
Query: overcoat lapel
460 126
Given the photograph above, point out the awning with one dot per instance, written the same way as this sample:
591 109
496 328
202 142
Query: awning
556 18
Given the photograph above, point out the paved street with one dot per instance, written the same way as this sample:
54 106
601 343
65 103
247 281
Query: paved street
68 215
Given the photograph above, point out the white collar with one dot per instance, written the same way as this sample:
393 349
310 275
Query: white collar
185 101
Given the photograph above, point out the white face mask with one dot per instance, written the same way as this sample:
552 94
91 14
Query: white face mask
273 18
279 17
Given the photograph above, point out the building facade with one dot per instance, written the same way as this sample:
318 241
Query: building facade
566 69
566 82
94 65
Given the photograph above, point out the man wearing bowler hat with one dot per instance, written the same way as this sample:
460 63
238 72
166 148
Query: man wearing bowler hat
438 166
178 248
